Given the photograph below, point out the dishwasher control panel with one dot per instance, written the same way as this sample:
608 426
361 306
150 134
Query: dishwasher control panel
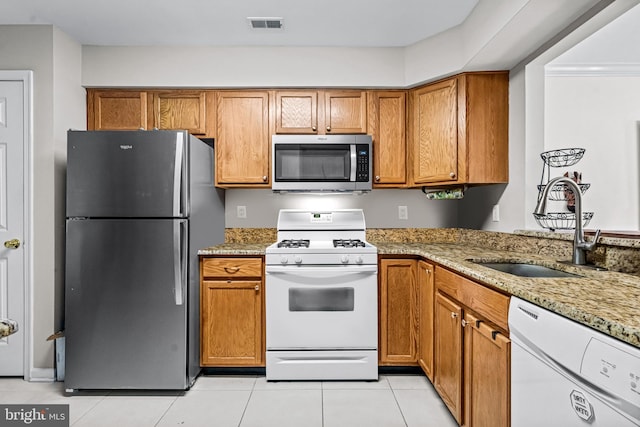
613 369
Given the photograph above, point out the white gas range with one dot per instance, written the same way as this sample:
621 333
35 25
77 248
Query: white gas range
322 298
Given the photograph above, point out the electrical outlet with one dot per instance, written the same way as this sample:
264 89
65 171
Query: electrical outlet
242 211
496 213
403 212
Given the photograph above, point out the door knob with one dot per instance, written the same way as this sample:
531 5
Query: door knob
12 244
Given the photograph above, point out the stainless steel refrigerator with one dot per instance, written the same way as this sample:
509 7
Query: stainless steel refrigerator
139 206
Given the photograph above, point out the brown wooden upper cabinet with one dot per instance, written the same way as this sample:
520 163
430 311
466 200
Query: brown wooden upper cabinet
180 110
242 139
297 112
321 112
387 127
110 109
117 110
459 130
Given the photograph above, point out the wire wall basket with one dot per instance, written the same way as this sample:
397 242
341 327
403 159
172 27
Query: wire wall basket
561 192
561 220
562 157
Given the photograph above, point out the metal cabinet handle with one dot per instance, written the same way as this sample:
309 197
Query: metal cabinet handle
452 175
264 178
313 128
328 128
232 270
454 315
377 178
12 244
257 287
464 323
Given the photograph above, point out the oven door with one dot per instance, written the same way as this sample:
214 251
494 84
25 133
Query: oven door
322 307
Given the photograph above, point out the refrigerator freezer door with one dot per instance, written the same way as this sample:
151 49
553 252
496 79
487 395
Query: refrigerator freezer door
115 174
126 327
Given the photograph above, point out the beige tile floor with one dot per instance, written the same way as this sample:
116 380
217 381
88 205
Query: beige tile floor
249 401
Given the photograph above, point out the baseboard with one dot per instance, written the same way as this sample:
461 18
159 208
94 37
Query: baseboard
42 375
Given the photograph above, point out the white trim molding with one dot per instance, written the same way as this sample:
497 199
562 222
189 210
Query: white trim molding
42 375
26 77
593 70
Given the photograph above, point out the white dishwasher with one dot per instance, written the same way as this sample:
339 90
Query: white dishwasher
564 374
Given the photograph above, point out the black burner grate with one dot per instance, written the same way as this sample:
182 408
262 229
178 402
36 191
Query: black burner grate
348 243
291 243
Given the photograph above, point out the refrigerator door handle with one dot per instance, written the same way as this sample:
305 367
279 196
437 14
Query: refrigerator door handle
178 193
178 256
184 261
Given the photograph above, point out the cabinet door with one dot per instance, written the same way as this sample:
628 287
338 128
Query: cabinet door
434 136
426 292
242 145
387 126
116 110
345 111
448 354
297 112
180 109
398 312
231 323
487 375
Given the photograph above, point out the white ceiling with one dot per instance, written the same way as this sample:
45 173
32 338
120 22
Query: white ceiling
353 23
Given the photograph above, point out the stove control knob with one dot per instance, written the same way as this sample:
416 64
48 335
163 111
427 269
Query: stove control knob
344 259
359 260
298 259
284 260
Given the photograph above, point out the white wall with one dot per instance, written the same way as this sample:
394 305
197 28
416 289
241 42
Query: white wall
602 115
498 34
221 67
58 104
380 207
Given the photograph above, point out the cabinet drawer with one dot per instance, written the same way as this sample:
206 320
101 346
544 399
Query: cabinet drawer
232 267
479 298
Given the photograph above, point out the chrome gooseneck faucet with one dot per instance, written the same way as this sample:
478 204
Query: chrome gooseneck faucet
580 245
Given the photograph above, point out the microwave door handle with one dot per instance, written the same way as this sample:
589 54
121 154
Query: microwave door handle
354 163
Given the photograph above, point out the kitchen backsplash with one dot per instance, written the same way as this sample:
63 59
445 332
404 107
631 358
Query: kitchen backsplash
615 254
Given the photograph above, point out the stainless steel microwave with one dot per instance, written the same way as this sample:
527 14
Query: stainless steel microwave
321 163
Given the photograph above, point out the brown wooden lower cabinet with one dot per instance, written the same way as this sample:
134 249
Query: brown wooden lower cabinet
426 288
398 320
231 312
448 354
487 355
472 351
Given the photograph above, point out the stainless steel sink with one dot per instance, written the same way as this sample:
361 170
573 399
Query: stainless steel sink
526 270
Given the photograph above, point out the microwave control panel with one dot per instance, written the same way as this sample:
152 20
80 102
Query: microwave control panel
362 171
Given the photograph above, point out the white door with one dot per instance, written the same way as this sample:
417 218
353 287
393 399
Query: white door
12 280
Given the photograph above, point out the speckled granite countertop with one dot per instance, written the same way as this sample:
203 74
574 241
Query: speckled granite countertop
606 301
235 249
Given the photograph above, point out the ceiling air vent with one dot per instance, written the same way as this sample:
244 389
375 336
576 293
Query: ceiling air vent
265 23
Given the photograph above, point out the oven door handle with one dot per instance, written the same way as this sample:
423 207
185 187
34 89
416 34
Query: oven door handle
332 270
